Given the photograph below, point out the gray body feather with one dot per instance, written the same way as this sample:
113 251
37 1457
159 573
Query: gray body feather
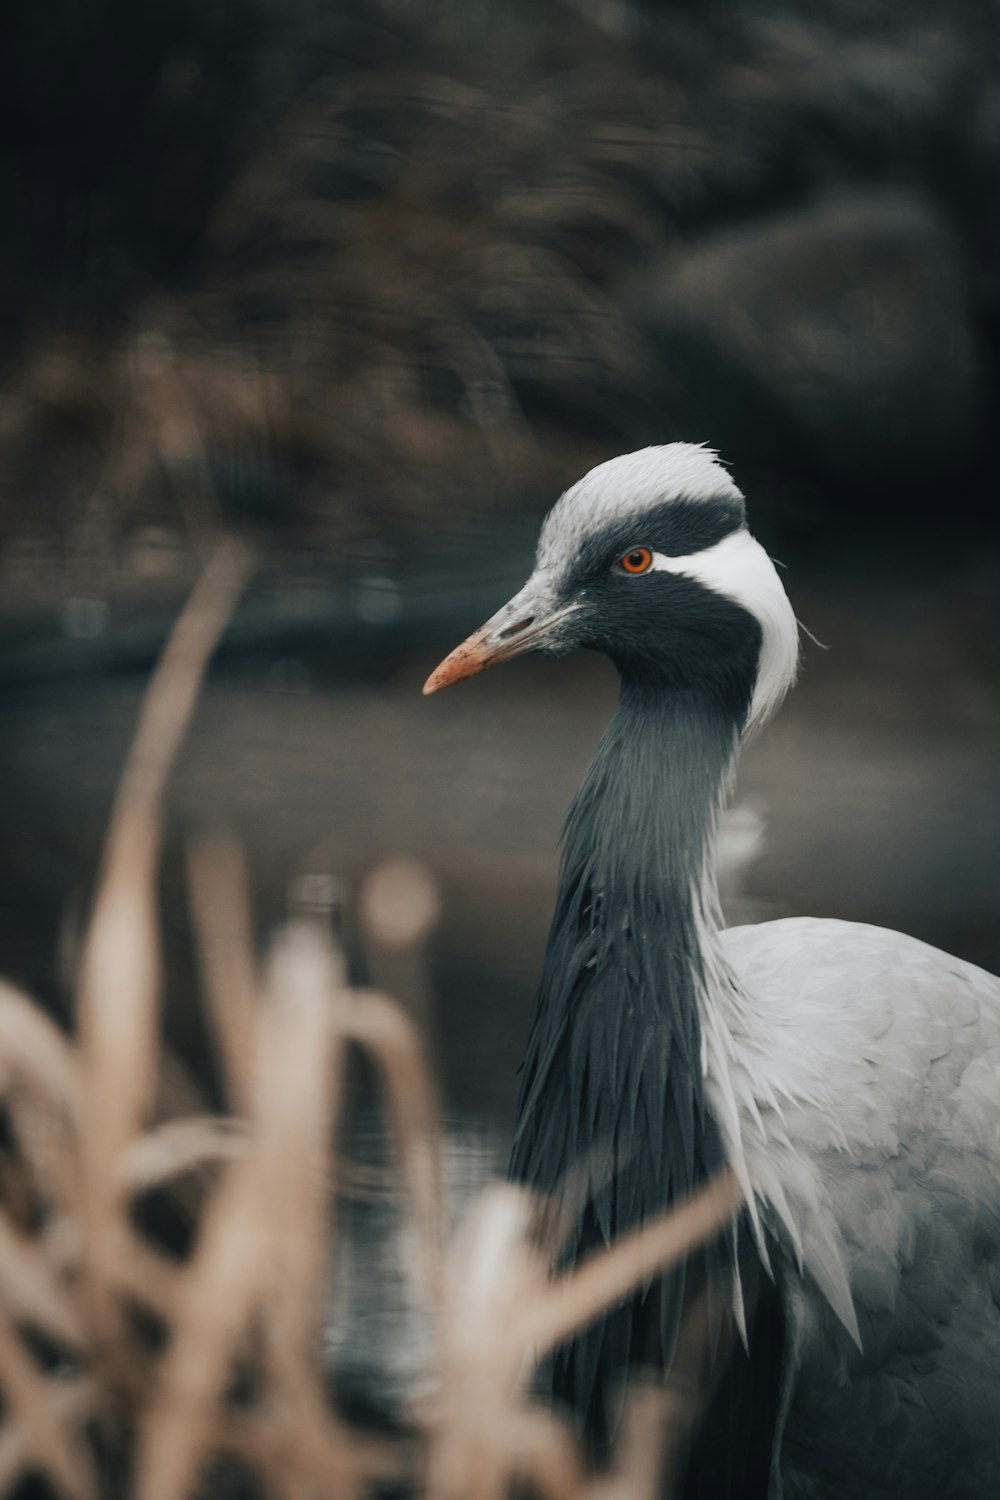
883 1149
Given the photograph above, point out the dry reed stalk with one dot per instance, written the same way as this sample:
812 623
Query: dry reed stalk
480 1421
647 1436
300 1063
117 997
684 1396
46 1441
257 1277
263 1440
220 904
41 1087
176 1147
32 1290
71 1402
149 1280
388 1034
574 1300
504 1313
32 1046
215 1298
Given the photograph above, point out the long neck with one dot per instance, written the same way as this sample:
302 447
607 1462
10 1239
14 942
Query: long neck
615 1048
641 829
613 1108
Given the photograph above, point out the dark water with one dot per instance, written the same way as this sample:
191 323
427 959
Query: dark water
875 789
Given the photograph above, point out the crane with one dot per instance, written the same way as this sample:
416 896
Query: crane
849 1075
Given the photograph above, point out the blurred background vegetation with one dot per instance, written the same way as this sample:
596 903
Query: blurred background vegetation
371 282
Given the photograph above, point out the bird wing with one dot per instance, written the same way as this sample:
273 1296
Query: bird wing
867 1082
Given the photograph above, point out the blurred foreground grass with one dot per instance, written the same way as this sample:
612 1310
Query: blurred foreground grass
127 1368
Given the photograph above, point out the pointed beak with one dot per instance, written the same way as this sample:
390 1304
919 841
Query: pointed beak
528 622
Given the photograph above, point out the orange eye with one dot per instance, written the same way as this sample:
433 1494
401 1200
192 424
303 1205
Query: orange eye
639 560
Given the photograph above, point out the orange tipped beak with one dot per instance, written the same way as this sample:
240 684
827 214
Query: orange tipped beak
472 656
519 627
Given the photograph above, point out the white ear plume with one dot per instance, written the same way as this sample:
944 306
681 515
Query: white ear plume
739 569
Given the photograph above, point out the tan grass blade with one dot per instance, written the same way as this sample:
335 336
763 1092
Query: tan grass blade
336 1460
40 1079
390 1036
119 966
176 1147
261 1251
119 969
30 1290
298 1084
72 1402
545 1454
214 1300
503 1313
494 1274
572 1301
220 904
150 1280
33 1046
648 1432
46 1441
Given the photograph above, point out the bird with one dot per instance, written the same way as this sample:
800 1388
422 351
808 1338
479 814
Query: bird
848 1075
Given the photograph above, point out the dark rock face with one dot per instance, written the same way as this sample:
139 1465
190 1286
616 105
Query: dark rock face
837 334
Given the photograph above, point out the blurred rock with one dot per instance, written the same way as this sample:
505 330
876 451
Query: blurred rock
884 92
359 271
833 337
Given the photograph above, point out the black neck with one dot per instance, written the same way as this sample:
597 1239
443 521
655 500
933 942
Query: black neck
612 1098
641 827
626 940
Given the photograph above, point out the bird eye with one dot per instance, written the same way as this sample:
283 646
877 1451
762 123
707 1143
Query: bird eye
639 560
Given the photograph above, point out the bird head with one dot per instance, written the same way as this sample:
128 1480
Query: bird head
648 560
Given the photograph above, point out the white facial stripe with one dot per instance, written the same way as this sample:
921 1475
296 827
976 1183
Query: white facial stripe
738 568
